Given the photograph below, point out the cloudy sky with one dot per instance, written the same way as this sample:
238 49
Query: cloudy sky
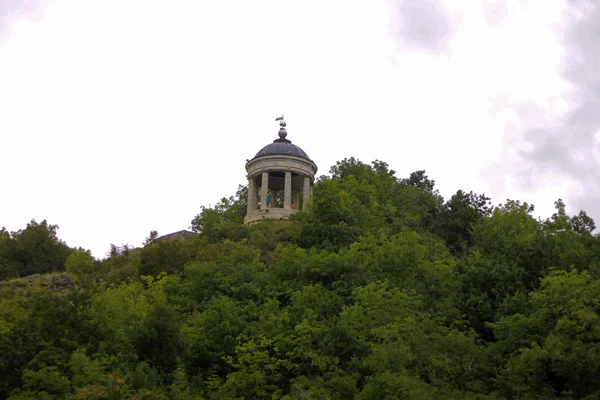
118 117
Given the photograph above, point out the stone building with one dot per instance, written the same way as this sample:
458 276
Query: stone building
280 180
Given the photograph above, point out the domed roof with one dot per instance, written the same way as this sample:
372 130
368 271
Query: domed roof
282 147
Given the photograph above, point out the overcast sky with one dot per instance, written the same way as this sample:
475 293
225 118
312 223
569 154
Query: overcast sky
118 117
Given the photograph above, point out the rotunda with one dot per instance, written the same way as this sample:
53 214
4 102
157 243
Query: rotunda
280 179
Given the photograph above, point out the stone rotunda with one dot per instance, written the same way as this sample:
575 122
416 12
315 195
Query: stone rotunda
280 179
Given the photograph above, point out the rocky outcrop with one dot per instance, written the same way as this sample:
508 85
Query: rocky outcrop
60 282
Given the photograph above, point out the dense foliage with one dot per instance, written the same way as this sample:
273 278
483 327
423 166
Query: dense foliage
380 290
33 250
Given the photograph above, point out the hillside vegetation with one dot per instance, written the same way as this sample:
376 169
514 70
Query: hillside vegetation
380 290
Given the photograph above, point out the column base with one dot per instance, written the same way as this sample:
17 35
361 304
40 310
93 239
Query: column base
270 213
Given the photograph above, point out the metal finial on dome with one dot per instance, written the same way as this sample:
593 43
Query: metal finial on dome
282 124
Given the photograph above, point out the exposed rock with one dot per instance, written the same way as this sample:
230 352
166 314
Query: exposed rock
61 282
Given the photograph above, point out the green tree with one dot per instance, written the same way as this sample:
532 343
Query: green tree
553 350
33 250
460 214
378 290
166 255
225 219
80 263
259 371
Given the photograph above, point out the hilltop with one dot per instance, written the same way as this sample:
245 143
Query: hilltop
380 289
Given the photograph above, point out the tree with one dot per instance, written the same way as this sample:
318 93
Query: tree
80 263
418 203
420 181
458 217
553 349
113 251
357 199
33 250
151 237
224 220
168 255
379 290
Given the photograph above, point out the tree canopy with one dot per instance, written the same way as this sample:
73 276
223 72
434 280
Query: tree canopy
380 289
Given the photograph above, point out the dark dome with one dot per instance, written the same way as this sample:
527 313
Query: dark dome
282 147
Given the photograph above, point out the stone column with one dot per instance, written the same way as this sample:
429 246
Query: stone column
275 193
251 194
297 198
287 192
263 190
306 192
256 197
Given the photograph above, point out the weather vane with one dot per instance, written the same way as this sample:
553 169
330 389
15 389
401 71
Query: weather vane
281 121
